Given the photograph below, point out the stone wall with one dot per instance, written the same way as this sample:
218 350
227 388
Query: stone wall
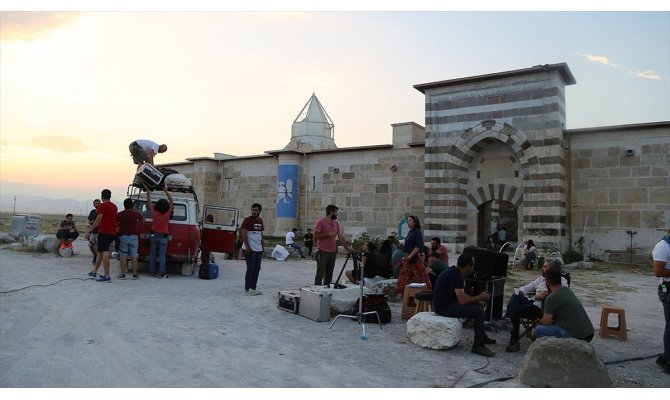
620 181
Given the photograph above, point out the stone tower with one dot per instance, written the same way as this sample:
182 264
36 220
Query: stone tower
311 130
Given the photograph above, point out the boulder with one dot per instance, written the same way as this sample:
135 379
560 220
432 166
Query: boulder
383 286
432 331
563 363
579 265
342 300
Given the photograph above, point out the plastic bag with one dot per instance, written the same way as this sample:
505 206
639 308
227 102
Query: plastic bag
279 253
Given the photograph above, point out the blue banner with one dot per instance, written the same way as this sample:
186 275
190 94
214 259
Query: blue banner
287 191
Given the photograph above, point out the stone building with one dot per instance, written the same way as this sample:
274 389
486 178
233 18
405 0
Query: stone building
494 152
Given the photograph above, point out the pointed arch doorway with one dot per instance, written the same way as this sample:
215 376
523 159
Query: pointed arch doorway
495 214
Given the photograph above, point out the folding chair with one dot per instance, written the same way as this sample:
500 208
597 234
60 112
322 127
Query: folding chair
528 324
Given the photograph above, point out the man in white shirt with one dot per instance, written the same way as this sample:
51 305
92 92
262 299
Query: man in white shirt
661 257
144 151
290 241
519 306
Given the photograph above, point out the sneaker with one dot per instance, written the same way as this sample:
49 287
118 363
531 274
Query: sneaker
513 347
136 277
93 274
121 276
482 351
257 292
155 275
249 292
163 276
105 279
488 340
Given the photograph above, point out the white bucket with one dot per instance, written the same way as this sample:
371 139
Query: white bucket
279 253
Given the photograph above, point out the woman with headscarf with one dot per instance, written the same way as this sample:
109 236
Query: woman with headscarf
413 268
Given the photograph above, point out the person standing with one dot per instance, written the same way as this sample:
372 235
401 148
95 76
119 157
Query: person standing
564 316
450 300
160 230
413 268
252 243
661 266
129 220
105 222
290 241
144 151
67 231
309 241
327 231
93 240
502 235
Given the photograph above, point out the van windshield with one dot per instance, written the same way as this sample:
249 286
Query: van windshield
178 210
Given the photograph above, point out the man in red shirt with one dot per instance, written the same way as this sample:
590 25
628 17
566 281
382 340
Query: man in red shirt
327 231
105 221
438 250
129 220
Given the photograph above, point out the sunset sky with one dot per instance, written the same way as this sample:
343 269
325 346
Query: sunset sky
77 87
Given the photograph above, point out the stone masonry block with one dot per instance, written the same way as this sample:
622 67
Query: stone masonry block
629 218
635 196
607 218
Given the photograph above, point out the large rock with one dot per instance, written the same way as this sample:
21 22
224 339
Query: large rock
382 286
579 265
563 363
342 300
433 331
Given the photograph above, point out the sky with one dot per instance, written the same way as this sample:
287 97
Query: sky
77 87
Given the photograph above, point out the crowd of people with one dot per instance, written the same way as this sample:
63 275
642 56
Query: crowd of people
547 301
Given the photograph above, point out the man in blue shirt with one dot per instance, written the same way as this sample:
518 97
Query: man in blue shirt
450 300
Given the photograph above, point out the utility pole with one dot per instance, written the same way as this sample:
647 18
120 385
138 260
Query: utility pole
14 209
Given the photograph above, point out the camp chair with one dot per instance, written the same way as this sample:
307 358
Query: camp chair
528 324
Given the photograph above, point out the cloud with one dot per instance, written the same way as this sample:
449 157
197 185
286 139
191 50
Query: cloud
31 25
61 144
601 60
645 74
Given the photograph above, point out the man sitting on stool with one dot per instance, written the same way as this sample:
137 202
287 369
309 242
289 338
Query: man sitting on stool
564 316
290 241
450 300
519 306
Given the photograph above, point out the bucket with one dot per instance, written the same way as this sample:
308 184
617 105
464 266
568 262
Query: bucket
149 175
279 253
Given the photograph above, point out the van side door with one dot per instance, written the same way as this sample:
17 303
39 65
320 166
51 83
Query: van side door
219 229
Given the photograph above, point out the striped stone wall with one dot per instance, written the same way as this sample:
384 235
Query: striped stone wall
524 114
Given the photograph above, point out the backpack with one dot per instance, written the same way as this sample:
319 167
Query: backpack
374 302
208 271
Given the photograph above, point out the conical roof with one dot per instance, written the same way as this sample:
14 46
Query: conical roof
313 128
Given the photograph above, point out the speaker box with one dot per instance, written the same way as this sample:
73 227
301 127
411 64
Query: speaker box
488 263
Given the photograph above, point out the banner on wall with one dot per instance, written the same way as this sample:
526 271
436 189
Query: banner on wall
287 191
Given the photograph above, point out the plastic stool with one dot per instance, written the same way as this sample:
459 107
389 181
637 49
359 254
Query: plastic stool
620 329
409 301
424 301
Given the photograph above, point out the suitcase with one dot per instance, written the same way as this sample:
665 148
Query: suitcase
314 305
289 300
148 174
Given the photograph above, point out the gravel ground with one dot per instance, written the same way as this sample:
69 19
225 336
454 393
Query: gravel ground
59 329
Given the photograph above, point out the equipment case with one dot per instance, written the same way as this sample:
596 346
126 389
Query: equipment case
289 300
314 305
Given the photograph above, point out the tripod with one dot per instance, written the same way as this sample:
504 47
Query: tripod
360 317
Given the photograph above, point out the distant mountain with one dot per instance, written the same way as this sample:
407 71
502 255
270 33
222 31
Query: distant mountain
44 205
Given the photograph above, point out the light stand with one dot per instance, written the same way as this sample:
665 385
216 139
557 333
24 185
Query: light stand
360 316
631 233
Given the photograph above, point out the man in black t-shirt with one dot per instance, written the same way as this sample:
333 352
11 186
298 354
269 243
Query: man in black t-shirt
93 240
450 300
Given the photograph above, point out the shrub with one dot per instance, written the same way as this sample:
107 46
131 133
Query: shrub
571 256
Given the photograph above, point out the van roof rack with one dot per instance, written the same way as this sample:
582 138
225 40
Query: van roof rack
135 190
